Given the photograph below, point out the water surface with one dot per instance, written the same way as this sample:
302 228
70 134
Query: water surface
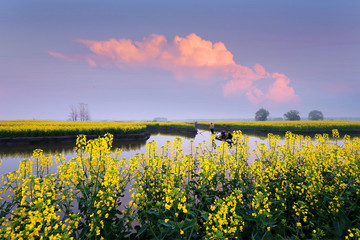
12 155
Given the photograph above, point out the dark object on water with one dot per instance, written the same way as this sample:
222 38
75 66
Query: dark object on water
224 137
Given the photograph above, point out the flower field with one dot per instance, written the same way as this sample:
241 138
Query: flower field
301 189
284 126
34 128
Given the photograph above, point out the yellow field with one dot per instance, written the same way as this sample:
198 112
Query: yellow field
294 126
303 188
34 128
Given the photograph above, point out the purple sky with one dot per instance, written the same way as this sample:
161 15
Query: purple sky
136 60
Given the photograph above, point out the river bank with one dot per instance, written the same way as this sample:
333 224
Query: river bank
33 132
309 128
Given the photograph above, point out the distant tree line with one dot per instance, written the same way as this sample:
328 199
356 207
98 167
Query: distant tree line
293 115
79 112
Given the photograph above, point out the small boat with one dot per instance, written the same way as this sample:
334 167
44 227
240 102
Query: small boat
225 139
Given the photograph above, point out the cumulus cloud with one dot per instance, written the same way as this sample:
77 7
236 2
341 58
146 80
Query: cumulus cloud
191 56
199 57
279 90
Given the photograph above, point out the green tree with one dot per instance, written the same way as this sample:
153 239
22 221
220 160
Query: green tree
292 115
261 115
316 115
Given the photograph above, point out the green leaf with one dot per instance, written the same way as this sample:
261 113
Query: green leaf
153 213
188 224
192 214
205 215
141 231
168 224
340 225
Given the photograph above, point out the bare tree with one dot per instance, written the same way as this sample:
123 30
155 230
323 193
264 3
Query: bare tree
79 113
84 112
74 115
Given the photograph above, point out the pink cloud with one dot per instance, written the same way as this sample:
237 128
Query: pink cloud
125 51
155 50
280 91
193 51
60 55
73 58
255 95
233 87
186 57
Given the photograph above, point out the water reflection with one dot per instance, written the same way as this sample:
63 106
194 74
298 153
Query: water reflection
129 145
26 151
187 135
12 155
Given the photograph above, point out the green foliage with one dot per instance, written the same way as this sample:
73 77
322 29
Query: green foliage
292 115
316 115
261 115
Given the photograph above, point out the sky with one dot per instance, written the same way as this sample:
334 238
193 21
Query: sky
203 59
